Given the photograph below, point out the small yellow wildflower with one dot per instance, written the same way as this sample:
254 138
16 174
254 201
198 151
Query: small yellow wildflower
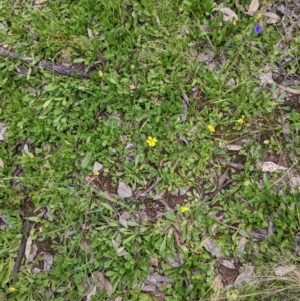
258 16
11 289
234 22
241 120
180 9
184 209
211 128
100 73
151 141
267 141
96 173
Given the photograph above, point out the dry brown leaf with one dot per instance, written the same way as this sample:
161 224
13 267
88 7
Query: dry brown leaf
123 222
149 288
159 195
126 215
102 283
271 167
271 18
297 243
246 275
242 243
28 247
90 33
295 182
286 89
153 261
2 131
175 262
231 82
253 7
97 166
226 263
91 292
48 260
124 191
205 57
156 279
132 87
85 244
211 247
185 111
266 78
32 255
228 14
115 244
233 147
284 270
3 222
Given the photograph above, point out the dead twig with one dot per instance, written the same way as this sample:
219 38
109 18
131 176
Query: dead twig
48 65
148 189
21 252
232 164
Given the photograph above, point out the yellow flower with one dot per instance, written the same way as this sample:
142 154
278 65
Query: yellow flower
241 120
258 16
184 209
234 22
211 128
100 73
96 173
267 141
180 9
11 289
151 141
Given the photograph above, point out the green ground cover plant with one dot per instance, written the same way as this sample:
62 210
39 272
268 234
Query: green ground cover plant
169 170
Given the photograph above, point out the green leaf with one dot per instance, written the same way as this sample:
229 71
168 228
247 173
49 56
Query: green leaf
35 219
132 223
79 60
162 247
107 206
86 160
46 104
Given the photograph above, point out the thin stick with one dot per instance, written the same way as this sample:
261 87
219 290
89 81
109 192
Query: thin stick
48 65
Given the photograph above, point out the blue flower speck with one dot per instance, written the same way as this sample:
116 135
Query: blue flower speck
257 28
